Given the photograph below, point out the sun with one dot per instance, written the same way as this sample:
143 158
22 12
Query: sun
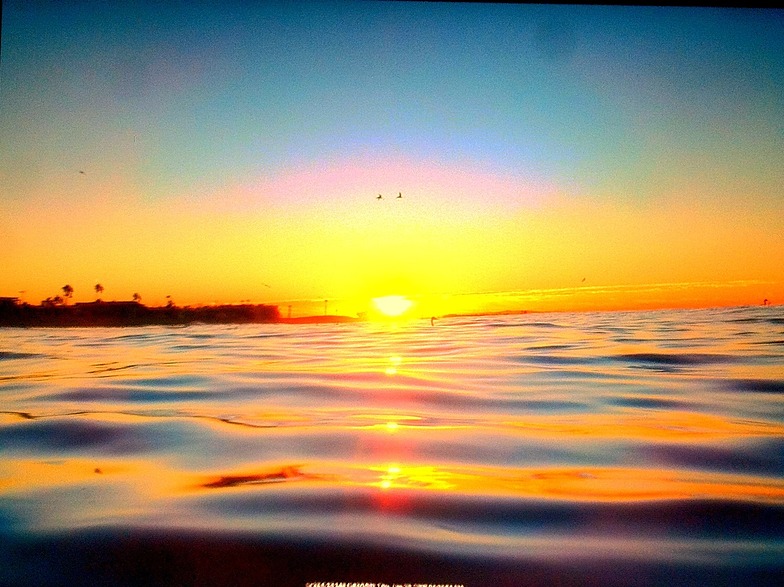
392 306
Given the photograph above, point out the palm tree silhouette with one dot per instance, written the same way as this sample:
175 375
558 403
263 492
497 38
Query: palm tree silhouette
137 298
98 290
67 292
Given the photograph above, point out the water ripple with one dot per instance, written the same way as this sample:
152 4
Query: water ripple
654 440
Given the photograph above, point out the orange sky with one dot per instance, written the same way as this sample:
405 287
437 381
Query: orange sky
542 250
545 174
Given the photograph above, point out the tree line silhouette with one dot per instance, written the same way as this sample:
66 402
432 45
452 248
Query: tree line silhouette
56 311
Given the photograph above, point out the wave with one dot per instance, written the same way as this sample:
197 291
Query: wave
773 386
148 555
672 359
623 448
11 355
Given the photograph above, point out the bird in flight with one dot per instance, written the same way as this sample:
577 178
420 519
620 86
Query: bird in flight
379 197
82 172
399 195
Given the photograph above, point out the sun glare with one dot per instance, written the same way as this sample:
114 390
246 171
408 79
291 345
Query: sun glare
392 306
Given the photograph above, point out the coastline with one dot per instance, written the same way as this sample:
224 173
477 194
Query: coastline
99 314
125 314
103 314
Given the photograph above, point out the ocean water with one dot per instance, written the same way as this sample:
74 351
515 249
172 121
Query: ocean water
615 448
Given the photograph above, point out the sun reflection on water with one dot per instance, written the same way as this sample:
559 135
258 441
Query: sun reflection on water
391 423
394 363
397 476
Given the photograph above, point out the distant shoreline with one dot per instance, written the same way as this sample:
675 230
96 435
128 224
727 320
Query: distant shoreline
119 314
15 314
102 314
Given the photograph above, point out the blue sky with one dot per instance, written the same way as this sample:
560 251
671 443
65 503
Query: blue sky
178 100
219 88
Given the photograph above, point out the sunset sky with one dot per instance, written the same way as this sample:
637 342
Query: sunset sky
549 157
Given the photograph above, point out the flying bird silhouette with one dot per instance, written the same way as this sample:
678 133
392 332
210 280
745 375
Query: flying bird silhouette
379 197
399 195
